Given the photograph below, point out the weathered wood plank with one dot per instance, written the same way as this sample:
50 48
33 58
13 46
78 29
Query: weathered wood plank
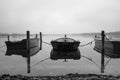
20 47
112 48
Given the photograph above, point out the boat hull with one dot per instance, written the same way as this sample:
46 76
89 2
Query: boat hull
111 48
65 48
20 47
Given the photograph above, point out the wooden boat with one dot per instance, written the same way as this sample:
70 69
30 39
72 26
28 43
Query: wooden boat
65 48
111 47
20 47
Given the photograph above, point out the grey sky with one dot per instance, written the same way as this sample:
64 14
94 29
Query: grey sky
59 16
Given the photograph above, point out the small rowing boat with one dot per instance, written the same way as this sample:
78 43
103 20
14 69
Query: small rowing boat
111 47
65 48
20 47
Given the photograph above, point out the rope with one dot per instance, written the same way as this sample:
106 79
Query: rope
90 59
46 43
80 45
107 62
40 62
87 44
2 46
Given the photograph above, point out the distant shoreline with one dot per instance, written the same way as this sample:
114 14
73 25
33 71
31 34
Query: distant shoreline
92 33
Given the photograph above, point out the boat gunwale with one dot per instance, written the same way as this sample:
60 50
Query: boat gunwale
114 44
72 40
113 41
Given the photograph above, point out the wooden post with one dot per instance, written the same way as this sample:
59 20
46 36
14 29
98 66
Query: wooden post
40 41
36 36
8 38
28 52
102 55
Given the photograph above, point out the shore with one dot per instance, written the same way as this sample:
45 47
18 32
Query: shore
61 77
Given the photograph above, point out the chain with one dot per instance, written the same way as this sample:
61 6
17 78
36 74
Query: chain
40 61
80 45
90 59
107 62
46 43
87 44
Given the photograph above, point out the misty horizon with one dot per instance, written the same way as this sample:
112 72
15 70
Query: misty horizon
59 16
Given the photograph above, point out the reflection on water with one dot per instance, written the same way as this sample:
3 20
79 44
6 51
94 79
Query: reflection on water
17 64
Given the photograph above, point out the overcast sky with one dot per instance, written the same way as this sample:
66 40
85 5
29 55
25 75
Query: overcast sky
59 16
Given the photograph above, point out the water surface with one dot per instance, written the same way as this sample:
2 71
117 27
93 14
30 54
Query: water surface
17 65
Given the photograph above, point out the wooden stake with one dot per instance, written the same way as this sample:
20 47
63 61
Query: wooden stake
36 36
28 52
40 41
102 55
8 38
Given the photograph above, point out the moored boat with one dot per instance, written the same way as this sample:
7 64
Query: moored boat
111 47
65 48
20 47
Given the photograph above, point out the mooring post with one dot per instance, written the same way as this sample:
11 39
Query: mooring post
8 37
28 52
36 36
40 40
102 55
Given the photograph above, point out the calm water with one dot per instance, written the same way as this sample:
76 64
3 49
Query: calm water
17 65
